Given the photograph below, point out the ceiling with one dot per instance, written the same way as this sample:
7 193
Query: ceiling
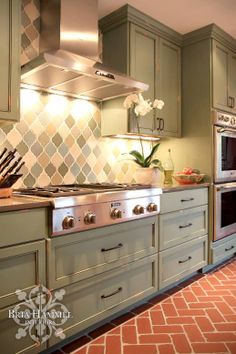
182 15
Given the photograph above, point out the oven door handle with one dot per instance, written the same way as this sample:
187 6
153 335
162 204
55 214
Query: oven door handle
222 130
231 186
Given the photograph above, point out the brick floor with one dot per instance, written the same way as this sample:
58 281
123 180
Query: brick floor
198 316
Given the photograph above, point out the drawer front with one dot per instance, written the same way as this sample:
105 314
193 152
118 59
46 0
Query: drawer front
88 253
183 199
224 248
21 267
183 225
23 226
92 300
180 261
9 343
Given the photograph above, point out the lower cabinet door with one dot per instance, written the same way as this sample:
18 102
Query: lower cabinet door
177 262
21 267
8 341
92 300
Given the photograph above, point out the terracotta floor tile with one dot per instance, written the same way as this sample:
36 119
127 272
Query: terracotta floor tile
181 343
140 349
209 348
197 317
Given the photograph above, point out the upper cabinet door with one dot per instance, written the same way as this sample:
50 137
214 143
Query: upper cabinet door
224 78
232 81
9 60
143 59
169 88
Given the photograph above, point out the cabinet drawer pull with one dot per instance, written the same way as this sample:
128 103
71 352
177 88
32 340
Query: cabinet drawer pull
186 260
187 200
162 124
112 248
109 295
229 249
231 102
183 226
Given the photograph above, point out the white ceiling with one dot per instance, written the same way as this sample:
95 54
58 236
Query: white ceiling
182 15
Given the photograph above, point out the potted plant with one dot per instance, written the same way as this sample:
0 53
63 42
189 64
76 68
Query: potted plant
150 166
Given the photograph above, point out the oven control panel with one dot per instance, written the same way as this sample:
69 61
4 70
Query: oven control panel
224 119
85 217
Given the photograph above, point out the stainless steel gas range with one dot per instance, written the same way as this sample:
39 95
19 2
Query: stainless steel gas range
79 207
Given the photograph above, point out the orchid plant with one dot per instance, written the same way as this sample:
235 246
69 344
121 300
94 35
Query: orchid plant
141 107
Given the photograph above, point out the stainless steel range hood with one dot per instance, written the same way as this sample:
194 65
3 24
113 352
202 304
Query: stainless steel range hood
69 52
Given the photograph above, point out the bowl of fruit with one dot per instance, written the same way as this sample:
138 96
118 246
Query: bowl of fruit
189 176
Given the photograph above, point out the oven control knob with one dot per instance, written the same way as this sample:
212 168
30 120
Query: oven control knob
116 213
233 121
90 218
138 209
152 207
68 222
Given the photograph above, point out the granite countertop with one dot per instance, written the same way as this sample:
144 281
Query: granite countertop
180 187
20 203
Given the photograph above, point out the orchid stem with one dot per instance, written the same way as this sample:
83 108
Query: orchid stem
141 143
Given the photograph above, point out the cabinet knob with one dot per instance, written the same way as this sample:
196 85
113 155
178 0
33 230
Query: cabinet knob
68 222
138 209
90 218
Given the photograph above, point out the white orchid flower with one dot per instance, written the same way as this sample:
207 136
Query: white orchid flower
128 102
159 104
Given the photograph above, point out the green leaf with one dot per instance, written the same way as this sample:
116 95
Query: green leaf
139 159
148 159
157 163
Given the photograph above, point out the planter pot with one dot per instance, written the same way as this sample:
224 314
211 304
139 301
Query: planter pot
147 175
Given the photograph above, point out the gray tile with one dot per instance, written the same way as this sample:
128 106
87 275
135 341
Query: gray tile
86 169
86 150
50 170
36 149
75 170
29 181
92 124
50 149
36 170
57 140
29 138
22 148
25 21
25 42
81 141
63 149
63 169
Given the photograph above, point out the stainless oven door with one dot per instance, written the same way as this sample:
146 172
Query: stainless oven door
224 210
224 154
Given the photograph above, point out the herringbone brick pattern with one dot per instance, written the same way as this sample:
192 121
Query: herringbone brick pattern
197 318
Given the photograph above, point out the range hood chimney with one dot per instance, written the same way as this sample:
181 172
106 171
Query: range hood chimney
69 52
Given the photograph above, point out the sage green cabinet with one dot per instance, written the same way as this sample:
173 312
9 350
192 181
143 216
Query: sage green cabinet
150 52
9 60
224 78
9 343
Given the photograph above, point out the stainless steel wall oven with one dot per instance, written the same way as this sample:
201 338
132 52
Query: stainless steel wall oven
224 175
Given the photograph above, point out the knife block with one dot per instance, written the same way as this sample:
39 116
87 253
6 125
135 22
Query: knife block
5 192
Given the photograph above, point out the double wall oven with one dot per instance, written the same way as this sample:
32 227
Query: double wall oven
224 175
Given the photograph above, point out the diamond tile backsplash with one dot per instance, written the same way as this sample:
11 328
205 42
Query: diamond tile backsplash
59 138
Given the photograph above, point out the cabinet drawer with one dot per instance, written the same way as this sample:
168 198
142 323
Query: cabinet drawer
183 199
180 261
224 248
23 226
21 267
9 343
88 253
181 226
94 299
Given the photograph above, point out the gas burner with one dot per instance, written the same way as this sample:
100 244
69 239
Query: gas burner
65 190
